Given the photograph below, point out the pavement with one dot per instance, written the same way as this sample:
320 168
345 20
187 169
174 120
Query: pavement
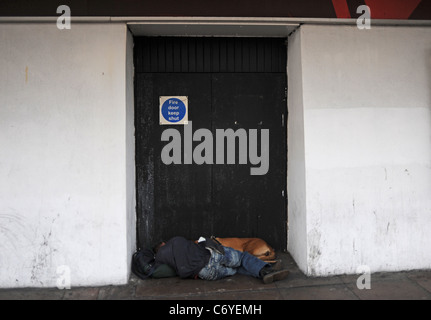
409 285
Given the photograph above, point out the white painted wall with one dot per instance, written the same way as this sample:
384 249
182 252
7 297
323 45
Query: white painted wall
359 151
66 154
297 231
366 100
130 153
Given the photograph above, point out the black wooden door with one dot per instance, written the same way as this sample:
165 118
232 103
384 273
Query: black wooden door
246 205
231 84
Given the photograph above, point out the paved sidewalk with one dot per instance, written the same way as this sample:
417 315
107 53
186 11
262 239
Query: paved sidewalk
389 286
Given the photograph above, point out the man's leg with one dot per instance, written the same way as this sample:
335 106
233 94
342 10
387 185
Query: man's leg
250 265
246 263
215 269
233 261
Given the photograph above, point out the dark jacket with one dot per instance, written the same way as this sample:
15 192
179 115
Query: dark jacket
185 256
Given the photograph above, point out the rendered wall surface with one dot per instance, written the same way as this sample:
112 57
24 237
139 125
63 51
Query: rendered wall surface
66 155
297 214
359 158
366 98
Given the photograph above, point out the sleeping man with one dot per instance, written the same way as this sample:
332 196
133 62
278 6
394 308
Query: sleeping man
209 260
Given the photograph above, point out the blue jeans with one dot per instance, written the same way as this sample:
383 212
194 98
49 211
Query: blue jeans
233 261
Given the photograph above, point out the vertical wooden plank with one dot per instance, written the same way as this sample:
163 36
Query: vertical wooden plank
215 55
231 55
146 62
267 43
137 55
185 54
207 55
192 55
282 57
161 55
238 55
154 55
245 55
223 55
260 58
169 52
199 56
275 56
177 54
253 55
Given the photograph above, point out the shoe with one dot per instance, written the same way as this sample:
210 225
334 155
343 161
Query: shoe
276 266
269 275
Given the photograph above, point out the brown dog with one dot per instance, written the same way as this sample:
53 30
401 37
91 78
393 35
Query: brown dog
255 246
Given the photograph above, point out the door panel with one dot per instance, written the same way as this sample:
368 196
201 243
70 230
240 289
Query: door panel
172 199
248 205
225 200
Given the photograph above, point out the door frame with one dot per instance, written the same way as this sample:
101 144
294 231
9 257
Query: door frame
193 27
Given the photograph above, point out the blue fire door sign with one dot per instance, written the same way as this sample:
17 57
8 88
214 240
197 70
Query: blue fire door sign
173 110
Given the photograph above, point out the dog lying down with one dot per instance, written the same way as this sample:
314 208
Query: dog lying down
255 246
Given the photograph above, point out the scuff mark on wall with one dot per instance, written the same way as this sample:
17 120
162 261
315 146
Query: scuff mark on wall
43 258
314 252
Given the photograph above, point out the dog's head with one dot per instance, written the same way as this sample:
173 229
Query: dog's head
259 248
265 254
